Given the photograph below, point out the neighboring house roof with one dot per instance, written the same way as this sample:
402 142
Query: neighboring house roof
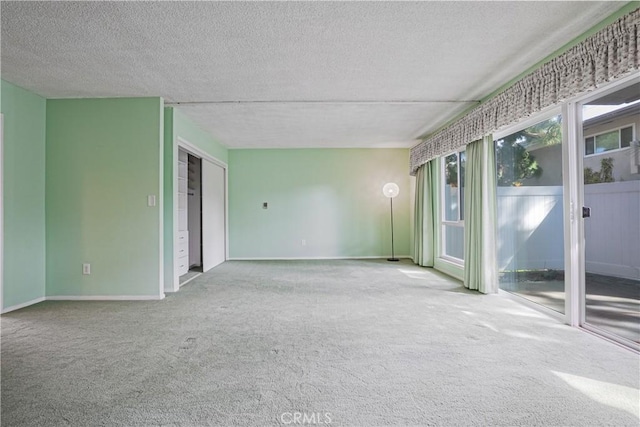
631 110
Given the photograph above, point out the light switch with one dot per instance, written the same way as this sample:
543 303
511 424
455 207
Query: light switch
86 269
151 200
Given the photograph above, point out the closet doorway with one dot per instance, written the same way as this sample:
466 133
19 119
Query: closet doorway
189 216
194 211
201 214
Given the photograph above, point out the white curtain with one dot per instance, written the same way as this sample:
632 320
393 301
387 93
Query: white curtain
480 263
424 227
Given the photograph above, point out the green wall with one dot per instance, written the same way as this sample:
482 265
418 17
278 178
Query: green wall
24 190
170 153
332 198
104 157
177 125
192 133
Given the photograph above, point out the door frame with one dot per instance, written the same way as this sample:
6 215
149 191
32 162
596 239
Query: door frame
213 253
1 212
574 187
573 200
185 145
531 120
571 167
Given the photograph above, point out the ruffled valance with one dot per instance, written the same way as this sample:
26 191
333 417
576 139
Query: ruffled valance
609 54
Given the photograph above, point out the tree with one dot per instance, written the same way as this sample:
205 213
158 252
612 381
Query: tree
604 175
451 170
514 161
514 164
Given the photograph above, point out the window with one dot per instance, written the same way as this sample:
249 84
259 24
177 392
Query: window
452 189
607 141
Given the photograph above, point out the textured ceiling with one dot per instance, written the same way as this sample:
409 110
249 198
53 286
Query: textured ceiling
289 74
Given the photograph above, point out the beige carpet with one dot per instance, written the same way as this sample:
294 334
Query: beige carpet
357 343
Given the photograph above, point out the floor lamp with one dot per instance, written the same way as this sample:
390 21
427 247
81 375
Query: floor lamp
391 190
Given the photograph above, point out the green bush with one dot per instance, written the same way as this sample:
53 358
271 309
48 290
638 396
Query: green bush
604 175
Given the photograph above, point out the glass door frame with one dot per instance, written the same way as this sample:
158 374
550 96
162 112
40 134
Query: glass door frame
575 243
523 124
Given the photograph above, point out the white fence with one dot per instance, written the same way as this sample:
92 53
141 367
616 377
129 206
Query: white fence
612 234
530 228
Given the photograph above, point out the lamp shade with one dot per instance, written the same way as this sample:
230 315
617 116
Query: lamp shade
391 189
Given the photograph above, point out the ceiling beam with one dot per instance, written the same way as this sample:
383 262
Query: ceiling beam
280 101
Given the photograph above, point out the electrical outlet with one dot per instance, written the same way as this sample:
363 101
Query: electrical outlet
303 242
86 269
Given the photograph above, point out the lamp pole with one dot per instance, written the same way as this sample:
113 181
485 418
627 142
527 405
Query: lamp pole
391 190
393 257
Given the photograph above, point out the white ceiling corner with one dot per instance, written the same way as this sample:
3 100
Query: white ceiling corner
290 74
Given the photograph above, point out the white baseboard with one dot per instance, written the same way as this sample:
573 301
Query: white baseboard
190 279
85 298
105 297
532 305
23 305
320 258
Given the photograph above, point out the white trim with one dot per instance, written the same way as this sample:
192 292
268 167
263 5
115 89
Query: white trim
612 338
456 151
226 213
160 204
449 268
572 167
459 223
454 262
181 143
451 259
578 317
533 305
590 329
445 222
568 202
85 298
529 121
608 89
105 298
1 212
187 146
175 150
312 258
214 224
23 305
190 279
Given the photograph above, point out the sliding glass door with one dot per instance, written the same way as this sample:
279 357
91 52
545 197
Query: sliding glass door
610 154
530 213
568 205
